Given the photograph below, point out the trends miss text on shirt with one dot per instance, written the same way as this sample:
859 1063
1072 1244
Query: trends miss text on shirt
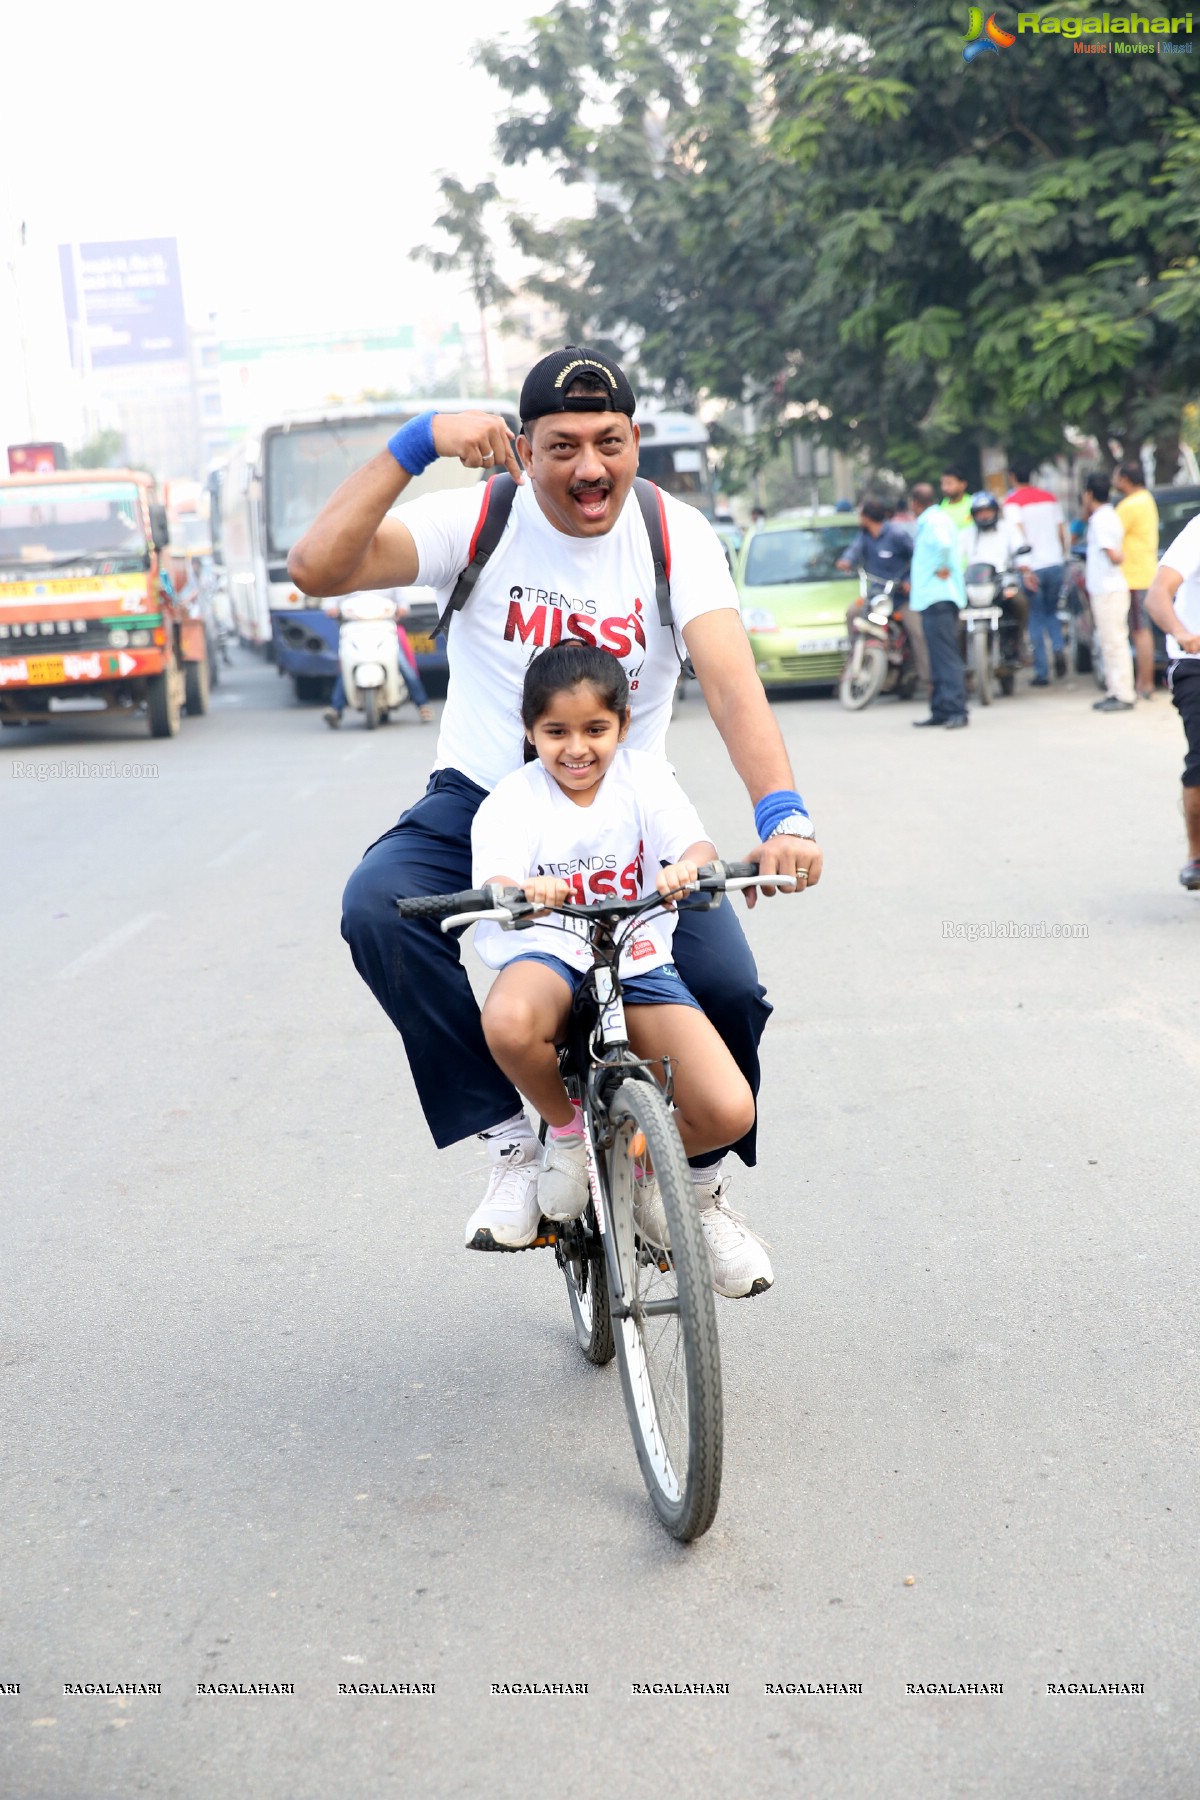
539 616
593 878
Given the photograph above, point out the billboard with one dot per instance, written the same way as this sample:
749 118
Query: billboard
36 459
124 303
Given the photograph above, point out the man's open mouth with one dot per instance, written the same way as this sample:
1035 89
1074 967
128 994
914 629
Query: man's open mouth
591 501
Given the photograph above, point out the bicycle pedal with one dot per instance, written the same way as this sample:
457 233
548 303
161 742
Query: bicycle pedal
483 1240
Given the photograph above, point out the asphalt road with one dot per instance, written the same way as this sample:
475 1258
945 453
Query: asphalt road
264 1420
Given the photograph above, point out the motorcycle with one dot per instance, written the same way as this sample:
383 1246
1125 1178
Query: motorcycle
881 657
1075 619
994 620
369 657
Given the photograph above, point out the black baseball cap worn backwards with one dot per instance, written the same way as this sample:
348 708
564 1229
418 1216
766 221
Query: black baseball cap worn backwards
546 384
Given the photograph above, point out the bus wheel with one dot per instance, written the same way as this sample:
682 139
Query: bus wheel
196 687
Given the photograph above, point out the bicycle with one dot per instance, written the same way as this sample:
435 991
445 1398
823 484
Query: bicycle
648 1303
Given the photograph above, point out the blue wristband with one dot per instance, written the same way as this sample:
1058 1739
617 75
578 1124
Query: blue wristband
772 809
413 446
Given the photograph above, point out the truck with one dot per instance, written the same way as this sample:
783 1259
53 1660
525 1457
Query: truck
89 617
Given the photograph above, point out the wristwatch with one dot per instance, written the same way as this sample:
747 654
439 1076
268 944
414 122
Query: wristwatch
795 825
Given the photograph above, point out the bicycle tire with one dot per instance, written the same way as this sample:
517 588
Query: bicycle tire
677 1423
587 1290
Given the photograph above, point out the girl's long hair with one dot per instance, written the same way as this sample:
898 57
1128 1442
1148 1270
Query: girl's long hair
563 667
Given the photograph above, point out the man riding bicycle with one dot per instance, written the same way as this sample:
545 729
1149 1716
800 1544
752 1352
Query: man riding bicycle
574 559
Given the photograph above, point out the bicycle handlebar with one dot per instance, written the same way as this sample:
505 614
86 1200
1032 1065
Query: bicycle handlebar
509 903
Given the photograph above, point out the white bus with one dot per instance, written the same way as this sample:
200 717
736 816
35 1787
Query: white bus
266 495
675 455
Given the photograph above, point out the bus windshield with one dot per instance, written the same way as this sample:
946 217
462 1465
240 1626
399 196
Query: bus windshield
305 463
681 469
71 522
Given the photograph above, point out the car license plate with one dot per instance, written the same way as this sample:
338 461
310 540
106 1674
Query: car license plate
44 669
817 646
422 643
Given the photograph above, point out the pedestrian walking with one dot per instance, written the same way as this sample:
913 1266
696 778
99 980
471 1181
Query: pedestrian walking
1138 514
1108 592
937 597
1038 518
1173 603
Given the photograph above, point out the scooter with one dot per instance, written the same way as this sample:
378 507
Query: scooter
881 659
369 657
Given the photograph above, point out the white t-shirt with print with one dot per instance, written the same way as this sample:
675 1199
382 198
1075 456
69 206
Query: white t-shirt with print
1183 555
1105 532
540 586
640 819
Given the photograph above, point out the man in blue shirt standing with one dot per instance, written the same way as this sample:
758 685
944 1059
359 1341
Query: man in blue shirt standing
938 595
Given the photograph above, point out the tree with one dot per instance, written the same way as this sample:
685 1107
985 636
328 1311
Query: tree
104 451
464 223
823 205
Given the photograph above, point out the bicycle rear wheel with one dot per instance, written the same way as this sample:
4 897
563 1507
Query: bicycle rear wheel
666 1323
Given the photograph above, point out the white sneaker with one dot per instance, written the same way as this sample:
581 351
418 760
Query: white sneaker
649 1213
507 1217
737 1259
562 1188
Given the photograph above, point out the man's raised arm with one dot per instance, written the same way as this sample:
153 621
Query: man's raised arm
352 544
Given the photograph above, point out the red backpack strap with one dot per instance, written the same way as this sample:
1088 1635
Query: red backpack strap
498 495
654 513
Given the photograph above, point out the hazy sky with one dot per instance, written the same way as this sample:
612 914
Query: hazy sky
294 154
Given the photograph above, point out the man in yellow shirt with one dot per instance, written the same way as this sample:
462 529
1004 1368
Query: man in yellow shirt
1139 521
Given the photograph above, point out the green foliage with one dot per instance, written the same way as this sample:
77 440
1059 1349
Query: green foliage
104 451
464 222
822 206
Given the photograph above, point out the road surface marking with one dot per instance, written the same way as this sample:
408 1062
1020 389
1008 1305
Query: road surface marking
107 945
235 849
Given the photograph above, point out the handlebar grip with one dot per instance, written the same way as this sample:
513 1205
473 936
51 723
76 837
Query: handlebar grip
740 871
439 906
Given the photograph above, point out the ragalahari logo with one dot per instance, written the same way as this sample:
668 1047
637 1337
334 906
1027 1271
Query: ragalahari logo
983 37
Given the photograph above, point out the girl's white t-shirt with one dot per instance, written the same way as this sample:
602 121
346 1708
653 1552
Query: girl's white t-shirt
640 820
540 586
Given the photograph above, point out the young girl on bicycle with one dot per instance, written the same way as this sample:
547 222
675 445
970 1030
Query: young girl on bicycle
588 819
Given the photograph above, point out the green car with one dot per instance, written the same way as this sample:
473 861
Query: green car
794 599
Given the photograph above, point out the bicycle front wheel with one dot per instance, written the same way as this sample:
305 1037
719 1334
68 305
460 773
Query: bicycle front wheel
665 1319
